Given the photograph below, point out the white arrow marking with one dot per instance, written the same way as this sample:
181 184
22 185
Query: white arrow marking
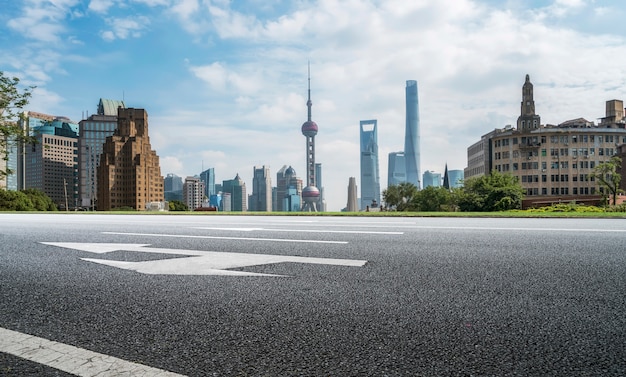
198 262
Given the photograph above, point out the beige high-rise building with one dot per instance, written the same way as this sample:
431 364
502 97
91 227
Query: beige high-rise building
352 205
51 168
554 163
193 192
129 174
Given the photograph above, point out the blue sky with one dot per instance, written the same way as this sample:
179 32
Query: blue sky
224 82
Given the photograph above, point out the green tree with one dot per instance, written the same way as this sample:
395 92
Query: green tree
14 201
177 205
41 201
25 200
399 196
493 192
12 102
431 199
607 175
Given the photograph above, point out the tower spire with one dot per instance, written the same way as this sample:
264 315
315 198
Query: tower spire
309 104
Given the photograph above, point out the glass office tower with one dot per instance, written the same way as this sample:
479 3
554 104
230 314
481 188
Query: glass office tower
370 179
396 170
208 177
411 136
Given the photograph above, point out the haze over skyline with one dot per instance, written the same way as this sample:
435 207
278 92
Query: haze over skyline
225 82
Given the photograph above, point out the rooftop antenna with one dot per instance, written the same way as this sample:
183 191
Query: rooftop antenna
309 103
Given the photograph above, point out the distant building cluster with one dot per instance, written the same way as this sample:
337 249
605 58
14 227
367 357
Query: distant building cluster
403 166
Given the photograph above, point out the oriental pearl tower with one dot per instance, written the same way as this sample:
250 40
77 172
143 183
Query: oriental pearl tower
310 194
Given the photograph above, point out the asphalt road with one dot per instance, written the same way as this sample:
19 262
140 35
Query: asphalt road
436 297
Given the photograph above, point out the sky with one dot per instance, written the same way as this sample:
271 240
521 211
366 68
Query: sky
225 82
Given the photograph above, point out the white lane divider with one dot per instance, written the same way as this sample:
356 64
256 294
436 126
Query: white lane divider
301 230
71 359
223 238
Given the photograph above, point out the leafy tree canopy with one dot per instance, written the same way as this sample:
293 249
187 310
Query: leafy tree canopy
492 192
606 173
12 102
25 200
400 196
432 199
177 205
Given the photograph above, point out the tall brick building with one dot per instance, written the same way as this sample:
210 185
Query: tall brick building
129 174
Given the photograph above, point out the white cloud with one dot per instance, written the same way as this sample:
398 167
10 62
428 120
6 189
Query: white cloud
214 75
101 6
124 28
171 164
42 20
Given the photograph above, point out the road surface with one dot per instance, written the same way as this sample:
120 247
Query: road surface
83 294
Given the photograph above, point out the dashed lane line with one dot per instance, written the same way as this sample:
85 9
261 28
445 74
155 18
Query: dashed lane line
224 238
301 230
70 359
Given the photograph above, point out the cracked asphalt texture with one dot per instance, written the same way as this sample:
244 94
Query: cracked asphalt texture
449 297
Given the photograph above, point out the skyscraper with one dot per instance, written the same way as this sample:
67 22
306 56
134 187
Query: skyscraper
51 168
235 189
193 192
431 178
310 194
129 174
455 178
93 133
172 187
32 123
411 135
288 185
396 170
50 164
370 179
208 177
261 198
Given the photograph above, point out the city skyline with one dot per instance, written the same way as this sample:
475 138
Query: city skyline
224 81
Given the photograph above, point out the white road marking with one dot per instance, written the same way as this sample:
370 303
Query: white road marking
516 229
224 238
70 359
301 230
198 262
